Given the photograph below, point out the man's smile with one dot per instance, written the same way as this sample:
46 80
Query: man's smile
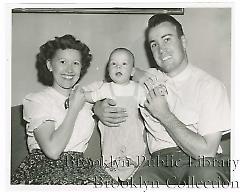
166 58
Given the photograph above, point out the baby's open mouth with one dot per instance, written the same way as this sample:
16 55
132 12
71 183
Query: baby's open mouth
118 74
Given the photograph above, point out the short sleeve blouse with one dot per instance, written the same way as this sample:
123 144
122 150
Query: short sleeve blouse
48 105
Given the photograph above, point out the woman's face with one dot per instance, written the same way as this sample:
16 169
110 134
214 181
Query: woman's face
66 67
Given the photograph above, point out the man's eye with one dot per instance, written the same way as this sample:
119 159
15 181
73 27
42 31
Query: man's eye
153 45
166 39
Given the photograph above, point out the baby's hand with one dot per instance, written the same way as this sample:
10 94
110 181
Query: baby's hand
153 78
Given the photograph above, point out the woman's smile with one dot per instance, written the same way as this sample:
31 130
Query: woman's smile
69 77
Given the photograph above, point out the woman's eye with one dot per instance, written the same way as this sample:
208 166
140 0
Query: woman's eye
76 63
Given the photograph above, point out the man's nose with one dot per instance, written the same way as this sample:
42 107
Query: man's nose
162 49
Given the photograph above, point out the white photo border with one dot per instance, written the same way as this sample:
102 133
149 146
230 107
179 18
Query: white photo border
7 86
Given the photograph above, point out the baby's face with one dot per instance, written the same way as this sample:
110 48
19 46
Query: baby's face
120 66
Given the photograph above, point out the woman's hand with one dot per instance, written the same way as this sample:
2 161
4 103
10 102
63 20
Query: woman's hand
76 97
109 114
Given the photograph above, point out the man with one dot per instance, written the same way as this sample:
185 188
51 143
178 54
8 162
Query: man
181 136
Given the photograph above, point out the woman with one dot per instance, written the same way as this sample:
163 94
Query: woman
58 131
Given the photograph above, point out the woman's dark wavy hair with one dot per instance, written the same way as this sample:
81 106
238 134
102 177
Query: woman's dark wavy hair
48 50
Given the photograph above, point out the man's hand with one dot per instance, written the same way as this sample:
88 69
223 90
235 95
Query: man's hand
109 114
156 103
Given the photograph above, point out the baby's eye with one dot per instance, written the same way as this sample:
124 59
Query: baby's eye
62 61
113 64
124 64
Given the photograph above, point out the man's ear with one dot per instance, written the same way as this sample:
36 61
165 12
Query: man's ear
49 65
133 71
184 41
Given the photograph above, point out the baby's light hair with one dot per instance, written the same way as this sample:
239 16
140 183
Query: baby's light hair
123 49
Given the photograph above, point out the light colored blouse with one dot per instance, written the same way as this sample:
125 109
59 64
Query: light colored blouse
48 105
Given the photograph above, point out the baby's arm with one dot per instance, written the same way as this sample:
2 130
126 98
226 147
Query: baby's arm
91 90
142 94
97 95
88 96
150 78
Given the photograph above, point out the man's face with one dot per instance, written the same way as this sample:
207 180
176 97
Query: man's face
167 48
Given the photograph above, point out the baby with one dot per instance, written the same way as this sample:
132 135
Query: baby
123 146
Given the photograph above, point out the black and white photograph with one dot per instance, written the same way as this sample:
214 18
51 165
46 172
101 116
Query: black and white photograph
122 97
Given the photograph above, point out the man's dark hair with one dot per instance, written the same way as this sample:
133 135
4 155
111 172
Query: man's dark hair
160 18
